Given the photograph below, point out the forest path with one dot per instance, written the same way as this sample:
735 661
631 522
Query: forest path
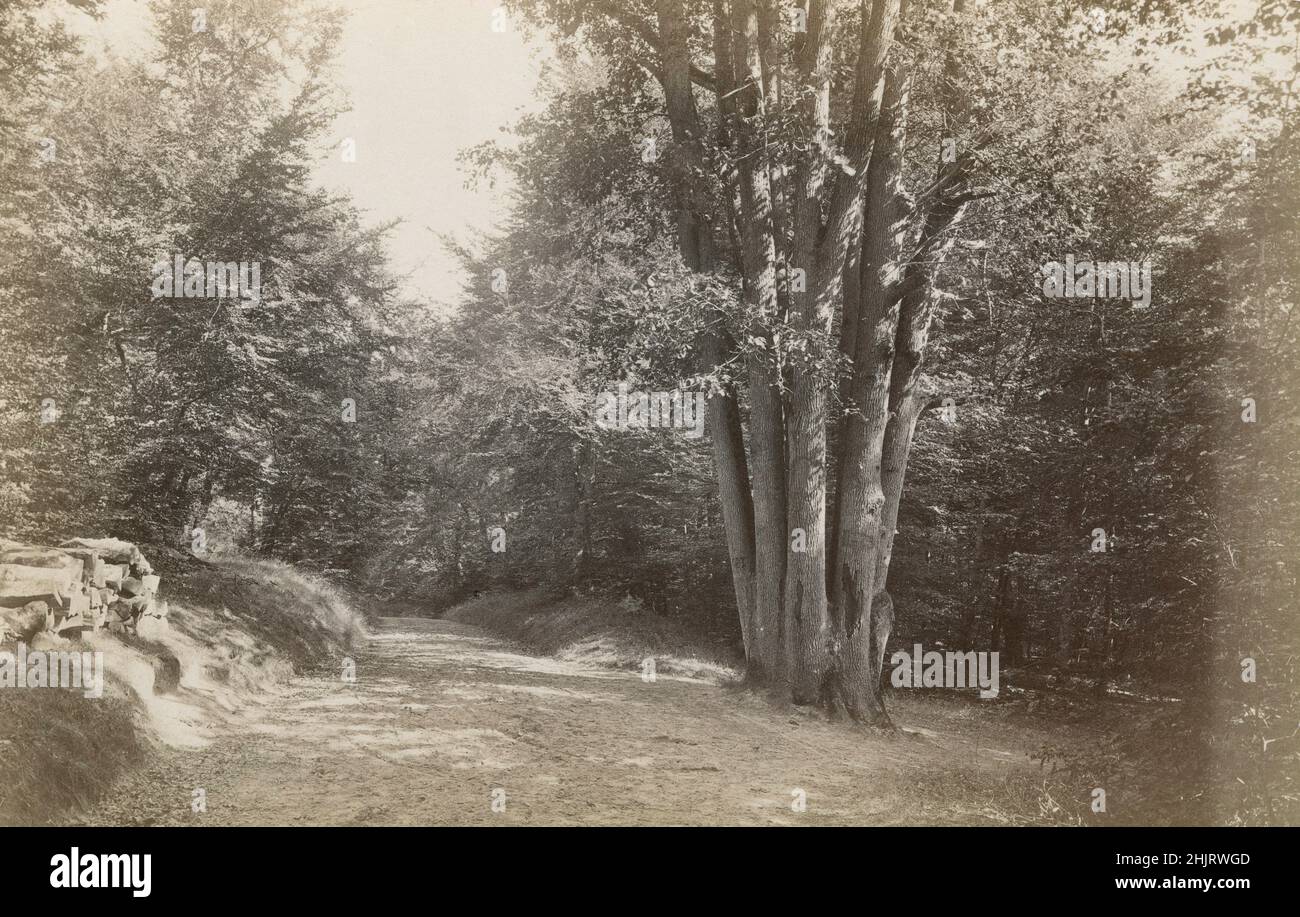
441 715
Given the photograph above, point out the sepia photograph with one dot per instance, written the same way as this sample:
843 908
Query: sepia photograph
869 414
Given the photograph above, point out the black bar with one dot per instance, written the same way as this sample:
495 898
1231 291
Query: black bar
333 866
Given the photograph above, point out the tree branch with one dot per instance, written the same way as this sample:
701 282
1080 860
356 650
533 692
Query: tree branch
647 34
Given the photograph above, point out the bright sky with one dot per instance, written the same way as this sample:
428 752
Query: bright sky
426 78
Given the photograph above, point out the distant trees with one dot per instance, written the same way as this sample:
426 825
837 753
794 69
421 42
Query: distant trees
161 405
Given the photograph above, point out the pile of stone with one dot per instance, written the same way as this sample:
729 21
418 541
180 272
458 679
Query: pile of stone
83 584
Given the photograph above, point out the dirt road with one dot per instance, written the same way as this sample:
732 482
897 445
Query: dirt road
443 720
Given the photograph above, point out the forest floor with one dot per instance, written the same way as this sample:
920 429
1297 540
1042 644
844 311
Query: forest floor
444 719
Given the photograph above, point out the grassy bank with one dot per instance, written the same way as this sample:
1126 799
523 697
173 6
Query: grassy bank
237 625
601 631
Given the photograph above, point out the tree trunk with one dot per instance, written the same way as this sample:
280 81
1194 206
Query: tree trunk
767 422
916 312
838 223
584 473
860 530
695 241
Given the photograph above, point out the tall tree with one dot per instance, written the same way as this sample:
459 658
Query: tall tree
803 168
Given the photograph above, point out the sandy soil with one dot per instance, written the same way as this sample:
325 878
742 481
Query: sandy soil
443 717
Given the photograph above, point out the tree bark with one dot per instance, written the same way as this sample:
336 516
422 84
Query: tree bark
919 303
767 422
860 513
695 241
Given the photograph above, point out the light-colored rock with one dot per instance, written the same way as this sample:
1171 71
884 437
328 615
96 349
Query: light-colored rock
28 621
113 550
114 574
20 583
